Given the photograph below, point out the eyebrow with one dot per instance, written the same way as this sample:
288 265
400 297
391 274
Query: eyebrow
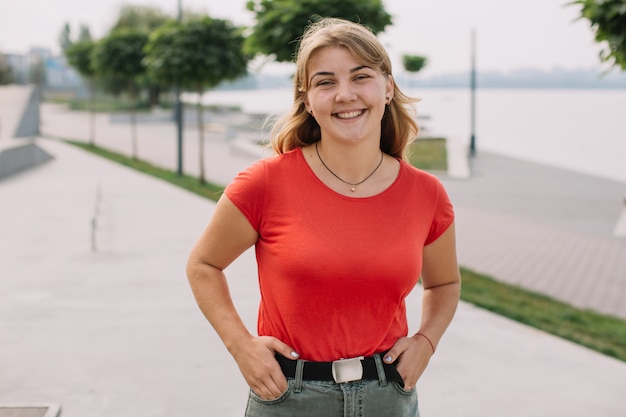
325 73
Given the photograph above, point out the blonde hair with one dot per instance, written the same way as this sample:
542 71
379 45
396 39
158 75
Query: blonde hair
298 128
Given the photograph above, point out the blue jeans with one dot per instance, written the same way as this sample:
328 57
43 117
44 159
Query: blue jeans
363 398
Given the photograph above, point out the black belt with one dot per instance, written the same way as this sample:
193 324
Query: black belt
323 371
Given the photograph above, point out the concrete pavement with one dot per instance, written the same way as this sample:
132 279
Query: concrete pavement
546 229
115 332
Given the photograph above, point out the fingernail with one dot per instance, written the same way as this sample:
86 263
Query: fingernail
294 354
388 358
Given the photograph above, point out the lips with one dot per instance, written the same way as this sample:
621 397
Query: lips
349 115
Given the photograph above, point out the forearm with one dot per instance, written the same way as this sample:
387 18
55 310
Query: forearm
212 294
438 308
413 353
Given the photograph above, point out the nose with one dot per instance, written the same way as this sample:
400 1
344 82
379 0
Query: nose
345 92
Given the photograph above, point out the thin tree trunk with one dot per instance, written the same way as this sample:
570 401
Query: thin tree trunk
133 119
92 122
154 94
201 135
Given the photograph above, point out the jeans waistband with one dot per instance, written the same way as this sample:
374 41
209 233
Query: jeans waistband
323 371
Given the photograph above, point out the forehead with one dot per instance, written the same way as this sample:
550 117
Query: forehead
332 57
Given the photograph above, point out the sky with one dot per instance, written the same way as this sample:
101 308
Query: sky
510 34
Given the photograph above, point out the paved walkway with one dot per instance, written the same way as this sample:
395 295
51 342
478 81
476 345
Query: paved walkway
546 229
115 332
13 102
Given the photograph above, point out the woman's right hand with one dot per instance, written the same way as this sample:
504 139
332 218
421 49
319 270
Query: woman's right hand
257 363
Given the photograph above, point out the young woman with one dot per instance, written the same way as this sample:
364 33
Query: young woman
343 229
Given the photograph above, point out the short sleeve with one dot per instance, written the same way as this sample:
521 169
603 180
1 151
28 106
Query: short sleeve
247 192
443 215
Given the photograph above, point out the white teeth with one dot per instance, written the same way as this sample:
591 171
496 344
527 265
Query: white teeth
350 115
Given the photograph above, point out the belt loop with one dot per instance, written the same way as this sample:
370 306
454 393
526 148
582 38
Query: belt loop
298 376
382 377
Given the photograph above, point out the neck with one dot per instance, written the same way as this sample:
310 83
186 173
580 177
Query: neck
351 162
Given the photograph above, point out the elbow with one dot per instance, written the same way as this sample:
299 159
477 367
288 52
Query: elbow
191 270
198 270
452 285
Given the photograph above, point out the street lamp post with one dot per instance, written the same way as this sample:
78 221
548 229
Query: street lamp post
473 96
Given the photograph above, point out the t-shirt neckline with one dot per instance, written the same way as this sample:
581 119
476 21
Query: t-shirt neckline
327 188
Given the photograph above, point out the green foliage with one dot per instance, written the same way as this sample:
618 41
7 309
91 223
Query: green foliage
120 54
119 57
196 54
84 33
64 37
280 23
79 56
414 63
608 19
140 18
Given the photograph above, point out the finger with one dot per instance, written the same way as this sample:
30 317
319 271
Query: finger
274 381
394 353
279 385
284 349
277 379
272 388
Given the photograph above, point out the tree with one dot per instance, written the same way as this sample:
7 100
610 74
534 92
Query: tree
196 55
65 37
608 19
6 72
80 56
280 23
120 55
140 18
84 33
414 63
144 19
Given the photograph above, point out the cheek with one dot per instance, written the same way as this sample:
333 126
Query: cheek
319 101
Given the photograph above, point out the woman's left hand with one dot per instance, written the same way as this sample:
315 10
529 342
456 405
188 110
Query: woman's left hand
411 355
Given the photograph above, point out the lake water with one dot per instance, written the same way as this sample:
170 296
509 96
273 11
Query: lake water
581 130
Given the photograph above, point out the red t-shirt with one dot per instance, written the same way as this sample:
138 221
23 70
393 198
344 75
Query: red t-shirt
334 270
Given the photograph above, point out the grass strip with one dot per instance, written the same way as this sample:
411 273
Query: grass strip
429 154
602 333
190 183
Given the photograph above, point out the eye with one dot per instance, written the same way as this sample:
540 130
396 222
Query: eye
361 77
324 83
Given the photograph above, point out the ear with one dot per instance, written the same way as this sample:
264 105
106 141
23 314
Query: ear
389 89
307 105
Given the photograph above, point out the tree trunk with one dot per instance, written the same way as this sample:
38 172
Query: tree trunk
154 93
133 118
92 121
201 135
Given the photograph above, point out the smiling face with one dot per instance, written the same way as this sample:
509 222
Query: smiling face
346 97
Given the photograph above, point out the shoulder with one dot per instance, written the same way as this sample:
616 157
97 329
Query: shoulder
265 165
282 160
416 176
266 170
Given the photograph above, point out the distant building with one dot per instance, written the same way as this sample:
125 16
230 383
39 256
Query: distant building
19 66
40 65
61 75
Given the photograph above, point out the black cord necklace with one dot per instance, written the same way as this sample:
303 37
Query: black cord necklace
352 185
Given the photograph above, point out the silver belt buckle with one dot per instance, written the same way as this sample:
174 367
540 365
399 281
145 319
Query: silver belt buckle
346 370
